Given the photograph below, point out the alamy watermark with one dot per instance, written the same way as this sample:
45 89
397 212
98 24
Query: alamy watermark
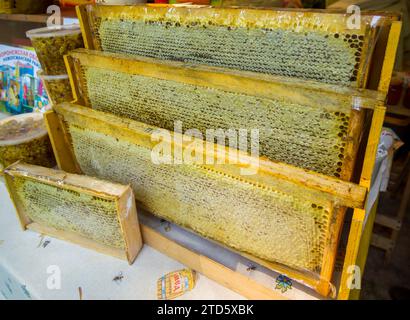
194 147
354 20
55 18
353 280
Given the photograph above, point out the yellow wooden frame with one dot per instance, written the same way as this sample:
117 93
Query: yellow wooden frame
356 249
359 236
336 97
122 196
336 21
309 185
295 91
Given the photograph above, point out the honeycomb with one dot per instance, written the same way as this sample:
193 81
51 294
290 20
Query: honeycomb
293 44
241 214
89 216
309 137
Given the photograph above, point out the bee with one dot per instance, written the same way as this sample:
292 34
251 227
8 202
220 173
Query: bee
251 268
46 243
167 226
118 278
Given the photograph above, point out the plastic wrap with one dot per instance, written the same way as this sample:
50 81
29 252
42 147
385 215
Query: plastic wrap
24 137
311 45
74 205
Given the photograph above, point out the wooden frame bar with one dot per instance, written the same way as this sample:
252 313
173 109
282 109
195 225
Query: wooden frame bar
122 196
390 56
358 242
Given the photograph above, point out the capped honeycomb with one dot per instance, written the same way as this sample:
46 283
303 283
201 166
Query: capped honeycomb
243 215
63 209
316 46
310 137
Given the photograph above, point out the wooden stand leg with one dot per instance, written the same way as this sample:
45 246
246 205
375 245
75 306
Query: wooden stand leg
401 213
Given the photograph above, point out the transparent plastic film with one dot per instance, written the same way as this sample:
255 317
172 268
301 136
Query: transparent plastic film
302 123
69 203
265 215
330 47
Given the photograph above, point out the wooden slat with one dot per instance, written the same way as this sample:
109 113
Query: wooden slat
364 246
354 135
356 227
82 18
24 220
330 252
64 157
372 145
129 224
352 250
390 56
58 178
382 242
390 222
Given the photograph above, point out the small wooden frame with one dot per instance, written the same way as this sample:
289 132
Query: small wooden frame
121 195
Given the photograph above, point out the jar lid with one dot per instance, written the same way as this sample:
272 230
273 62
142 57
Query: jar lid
51 78
22 128
54 31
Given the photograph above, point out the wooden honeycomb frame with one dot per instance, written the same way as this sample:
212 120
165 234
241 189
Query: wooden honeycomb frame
271 173
122 196
372 24
294 91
